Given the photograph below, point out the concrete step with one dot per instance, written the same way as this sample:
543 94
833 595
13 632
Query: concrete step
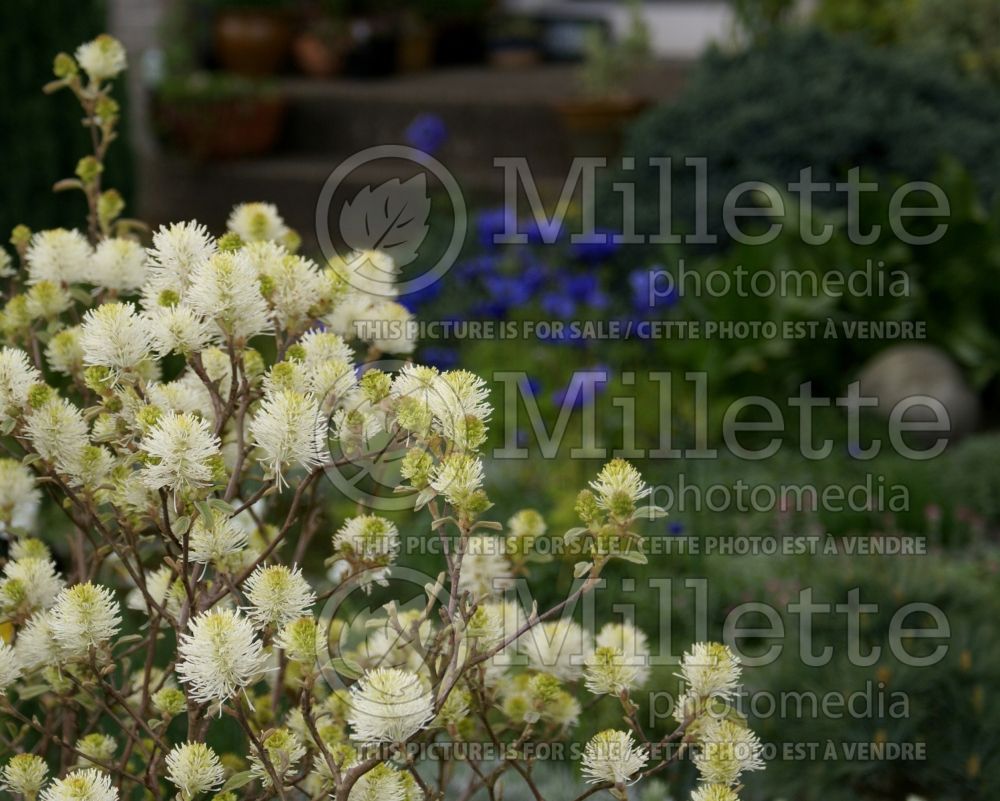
487 113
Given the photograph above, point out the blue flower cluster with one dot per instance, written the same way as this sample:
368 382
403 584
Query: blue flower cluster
551 275
427 132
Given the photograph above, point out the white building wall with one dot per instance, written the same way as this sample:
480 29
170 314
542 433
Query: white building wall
678 28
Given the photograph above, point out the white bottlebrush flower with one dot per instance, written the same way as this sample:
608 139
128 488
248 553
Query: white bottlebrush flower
17 375
18 495
328 365
29 584
292 285
319 346
178 329
711 669
633 645
24 774
384 783
366 542
59 256
486 570
211 541
119 264
415 381
524 527
557 647
392 326
389 705
331 380
34 643
350 309
289 430
64 353
6 264
357 423
85 616
177 250
277 595
194 768
257 222
367 538
95 748
301 640
81 785
619 486
225 289
458 478
219 656
608 673
101 58
186 394
714 792
10 667
727 750
461 407
182 452
59 433
612 756
369 273
115 335
47 300
284 749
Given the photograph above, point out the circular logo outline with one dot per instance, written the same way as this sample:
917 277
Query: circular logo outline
406 153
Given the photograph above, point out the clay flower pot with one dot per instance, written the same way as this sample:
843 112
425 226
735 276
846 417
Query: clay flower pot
252 41
597 126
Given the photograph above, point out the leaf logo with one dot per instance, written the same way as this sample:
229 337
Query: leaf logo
391 217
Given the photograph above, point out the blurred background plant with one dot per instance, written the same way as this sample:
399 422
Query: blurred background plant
41 140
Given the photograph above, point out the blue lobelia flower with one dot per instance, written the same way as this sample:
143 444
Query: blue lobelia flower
556 304
596 252
427 132
646 294
491 223
441 357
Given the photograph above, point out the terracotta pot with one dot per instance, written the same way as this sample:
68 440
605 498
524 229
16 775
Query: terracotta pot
597 127
515 57
318 56
252 41
416 50
222 128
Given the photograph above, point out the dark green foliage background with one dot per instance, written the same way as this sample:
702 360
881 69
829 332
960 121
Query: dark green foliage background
809 99
41 138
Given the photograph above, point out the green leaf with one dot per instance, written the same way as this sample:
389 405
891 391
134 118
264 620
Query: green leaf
347 667
237 780
649 513
635 557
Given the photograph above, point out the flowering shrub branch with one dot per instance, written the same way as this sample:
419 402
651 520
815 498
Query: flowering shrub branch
177 404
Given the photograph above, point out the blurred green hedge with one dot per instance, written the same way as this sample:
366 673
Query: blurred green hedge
809 99
42 138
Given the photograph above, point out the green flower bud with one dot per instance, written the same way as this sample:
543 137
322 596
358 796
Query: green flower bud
375 385
107 109
39 395
64 66
416 467
110 206
88 168
292 241
230 242
20 236
586 507
169 702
